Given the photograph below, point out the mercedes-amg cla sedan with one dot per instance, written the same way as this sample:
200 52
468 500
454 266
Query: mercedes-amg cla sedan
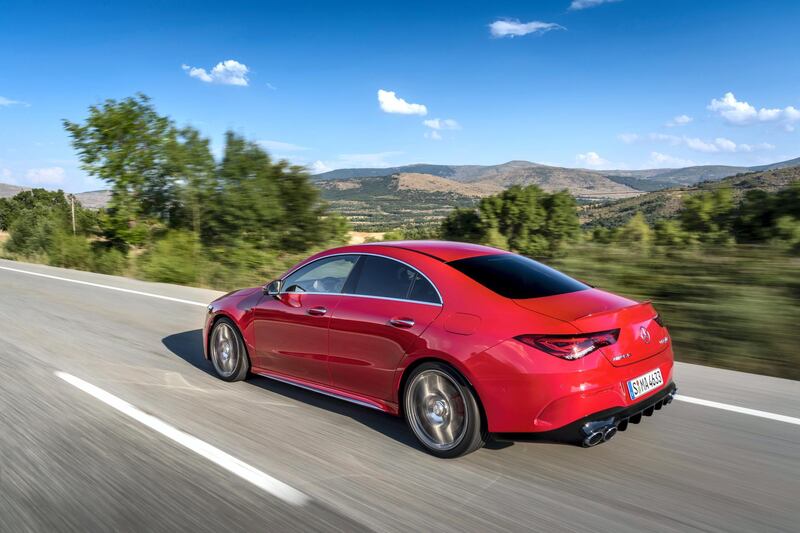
464 341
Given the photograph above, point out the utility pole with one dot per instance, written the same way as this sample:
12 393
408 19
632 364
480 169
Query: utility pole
72 207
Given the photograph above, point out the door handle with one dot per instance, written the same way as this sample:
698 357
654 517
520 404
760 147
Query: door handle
402 322
317 311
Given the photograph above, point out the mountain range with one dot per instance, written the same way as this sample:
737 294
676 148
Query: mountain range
375 198
385 198
666 203
515 172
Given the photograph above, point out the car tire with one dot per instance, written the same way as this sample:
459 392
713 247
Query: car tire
227 351
442 411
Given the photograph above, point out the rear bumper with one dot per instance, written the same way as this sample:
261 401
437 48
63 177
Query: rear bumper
581 431
524 391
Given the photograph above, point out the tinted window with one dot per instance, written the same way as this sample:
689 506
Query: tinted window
514 276
325 275
423 291
386 278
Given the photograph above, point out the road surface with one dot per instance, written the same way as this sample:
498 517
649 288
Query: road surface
110 419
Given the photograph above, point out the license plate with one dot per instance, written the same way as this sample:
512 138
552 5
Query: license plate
646 383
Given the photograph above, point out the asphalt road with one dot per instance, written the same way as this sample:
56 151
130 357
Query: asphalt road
73 461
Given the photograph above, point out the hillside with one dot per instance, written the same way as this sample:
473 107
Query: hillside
7 191
524 172
90 199
666 203
413 198
94 199
580 182
387 202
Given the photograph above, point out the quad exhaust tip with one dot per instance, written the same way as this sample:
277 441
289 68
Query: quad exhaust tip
604 430
593 440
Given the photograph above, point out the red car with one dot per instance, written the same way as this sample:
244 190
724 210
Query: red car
462 340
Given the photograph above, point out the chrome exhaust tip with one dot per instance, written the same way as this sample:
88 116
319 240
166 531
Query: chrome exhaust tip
609 433
593 439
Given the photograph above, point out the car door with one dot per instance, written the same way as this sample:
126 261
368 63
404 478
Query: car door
387 304
291 328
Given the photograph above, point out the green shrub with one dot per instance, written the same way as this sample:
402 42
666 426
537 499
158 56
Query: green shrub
176 258
71 251
109 260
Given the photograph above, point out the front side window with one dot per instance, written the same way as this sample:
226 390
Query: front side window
327 275
514 276
387 278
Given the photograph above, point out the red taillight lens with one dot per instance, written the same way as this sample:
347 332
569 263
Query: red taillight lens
570 347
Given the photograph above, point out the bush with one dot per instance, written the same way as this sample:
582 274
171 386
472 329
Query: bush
32 233
176 258
729 307
71 251
109 260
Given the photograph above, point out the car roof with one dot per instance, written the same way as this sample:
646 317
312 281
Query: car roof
442 250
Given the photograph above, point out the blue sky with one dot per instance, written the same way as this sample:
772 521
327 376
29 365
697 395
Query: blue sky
589 83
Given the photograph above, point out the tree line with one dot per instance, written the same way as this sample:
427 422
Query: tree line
715 218
182 215
532 222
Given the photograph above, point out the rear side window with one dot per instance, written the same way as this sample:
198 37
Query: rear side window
386 278
423 291
514 276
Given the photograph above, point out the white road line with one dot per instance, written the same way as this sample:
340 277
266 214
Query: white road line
688 399
129 291
737 409
213 454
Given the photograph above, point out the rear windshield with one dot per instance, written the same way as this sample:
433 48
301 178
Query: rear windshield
514 276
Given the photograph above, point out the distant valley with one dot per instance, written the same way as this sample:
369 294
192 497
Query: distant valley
377 199
665 204
385 198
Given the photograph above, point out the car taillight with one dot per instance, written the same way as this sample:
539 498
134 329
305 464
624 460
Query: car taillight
659 320
570 347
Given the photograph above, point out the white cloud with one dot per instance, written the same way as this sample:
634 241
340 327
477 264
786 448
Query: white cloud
48 175
5 102
672 139
592 160
442 124
228 72
741 113
628 138
279 146
391 103
373 160
318 167
719 144
515 28
680 120
5 175
699 145
754 147
438 124
657 159
583 4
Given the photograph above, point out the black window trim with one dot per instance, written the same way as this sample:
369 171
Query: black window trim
356 267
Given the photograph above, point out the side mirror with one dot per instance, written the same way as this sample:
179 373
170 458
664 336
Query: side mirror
273 288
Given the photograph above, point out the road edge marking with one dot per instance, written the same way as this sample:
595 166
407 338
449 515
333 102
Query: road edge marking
100 285
230 463
680 397
737 409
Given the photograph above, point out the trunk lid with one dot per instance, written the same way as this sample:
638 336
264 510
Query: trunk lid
593 310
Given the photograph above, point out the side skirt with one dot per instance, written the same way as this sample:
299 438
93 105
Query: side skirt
329 391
